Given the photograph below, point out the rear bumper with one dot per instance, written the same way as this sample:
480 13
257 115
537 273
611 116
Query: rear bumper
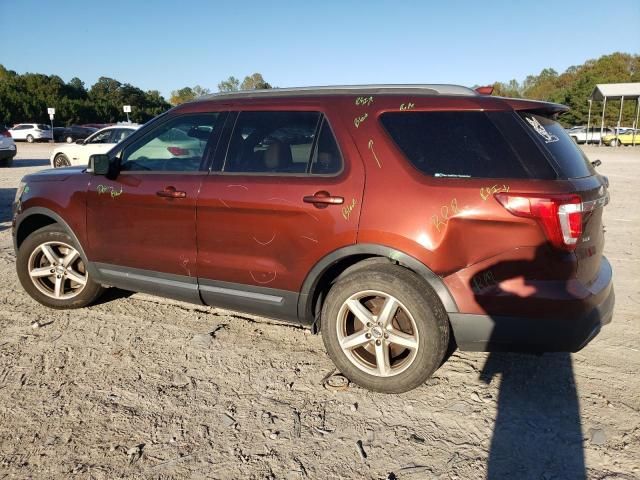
521 334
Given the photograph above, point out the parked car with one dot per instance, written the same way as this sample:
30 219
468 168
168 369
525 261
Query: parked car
579 135
58 134
31 132
102 141
75 132
7 148
383 230
628 137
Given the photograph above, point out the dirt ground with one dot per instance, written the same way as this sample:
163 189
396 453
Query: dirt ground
141 387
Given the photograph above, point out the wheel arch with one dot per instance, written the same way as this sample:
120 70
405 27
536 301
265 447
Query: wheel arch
36 218
347 259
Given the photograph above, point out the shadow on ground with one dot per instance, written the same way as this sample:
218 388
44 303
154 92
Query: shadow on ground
538 431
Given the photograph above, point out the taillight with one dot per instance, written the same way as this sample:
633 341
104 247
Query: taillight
5 133
559 215
177 151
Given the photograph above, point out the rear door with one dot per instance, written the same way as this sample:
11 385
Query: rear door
286 192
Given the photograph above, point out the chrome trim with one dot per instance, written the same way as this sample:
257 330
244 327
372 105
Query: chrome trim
591 205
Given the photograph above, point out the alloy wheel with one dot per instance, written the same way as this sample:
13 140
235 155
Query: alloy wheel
57 270
377 333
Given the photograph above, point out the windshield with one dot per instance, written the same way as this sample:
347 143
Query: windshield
572 162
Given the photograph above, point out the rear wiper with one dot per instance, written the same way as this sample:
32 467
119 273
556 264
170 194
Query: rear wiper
596 163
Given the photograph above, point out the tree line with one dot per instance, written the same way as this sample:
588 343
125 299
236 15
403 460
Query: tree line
26 97
573 88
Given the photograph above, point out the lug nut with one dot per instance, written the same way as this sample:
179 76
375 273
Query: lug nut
378 342
368 324
386 335
367 335
53 270
58 276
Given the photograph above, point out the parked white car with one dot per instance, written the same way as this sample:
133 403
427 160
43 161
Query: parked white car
580 135
100 142
31 132
7 148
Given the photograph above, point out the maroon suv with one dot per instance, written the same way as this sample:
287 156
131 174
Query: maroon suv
395 220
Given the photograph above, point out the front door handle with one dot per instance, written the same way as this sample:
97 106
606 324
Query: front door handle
323 199
171 192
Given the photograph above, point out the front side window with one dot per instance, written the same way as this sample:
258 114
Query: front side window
272 142
176 145
120 134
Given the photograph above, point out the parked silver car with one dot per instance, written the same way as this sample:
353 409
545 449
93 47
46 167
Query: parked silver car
7 148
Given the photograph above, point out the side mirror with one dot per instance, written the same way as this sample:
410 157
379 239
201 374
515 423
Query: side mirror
98 164
80 142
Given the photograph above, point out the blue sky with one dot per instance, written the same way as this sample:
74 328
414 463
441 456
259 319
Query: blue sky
166 45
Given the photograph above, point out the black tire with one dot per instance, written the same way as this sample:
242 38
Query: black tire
6 163
61 160
423 305
614 143
54 233
30 138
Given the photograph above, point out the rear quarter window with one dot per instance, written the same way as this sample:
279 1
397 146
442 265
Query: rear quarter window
467 144
549 134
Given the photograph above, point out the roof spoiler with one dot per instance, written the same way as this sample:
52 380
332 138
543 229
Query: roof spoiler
486 90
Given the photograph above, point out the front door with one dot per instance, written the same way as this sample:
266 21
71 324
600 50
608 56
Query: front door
286 195
141 227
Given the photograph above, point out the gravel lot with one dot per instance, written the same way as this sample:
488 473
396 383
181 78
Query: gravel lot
141 387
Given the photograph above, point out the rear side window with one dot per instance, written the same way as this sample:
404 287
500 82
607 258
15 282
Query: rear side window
464 144
572 162
272 142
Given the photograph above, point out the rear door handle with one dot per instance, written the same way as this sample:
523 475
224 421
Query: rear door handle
323 199
171 192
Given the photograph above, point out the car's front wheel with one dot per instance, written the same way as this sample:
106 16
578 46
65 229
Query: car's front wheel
61 160
384 328
30 138
52 270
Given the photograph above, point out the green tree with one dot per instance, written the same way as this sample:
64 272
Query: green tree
231 84
254 82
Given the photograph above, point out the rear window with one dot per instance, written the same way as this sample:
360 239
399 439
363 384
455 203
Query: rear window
42 126
467 144
573 163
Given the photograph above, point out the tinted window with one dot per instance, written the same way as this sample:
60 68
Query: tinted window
272 142
176 145
42 126
327 159
463 144
570 159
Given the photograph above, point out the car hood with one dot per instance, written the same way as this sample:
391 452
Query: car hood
55 174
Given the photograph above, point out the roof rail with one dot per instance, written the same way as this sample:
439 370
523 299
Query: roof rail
415 89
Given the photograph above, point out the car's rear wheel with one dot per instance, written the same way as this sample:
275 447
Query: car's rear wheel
30 138
61 160
384 328
52 270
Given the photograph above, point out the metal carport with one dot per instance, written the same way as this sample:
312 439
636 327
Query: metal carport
615 91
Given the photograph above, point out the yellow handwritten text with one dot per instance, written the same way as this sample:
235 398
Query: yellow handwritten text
406 106
107 189
366 101
374 154
358 120
486 192
446 212
347 209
